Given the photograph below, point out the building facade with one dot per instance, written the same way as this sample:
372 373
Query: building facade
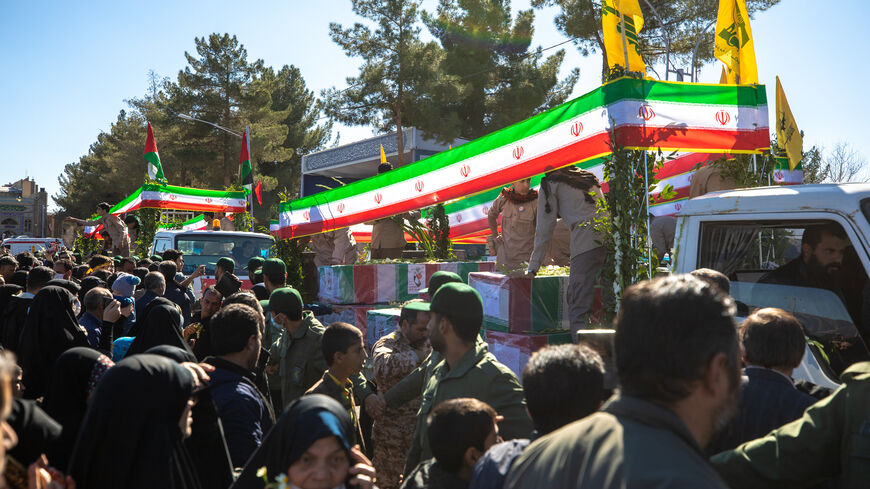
23 207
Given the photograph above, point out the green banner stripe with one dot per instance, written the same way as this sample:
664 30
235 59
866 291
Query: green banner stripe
615 91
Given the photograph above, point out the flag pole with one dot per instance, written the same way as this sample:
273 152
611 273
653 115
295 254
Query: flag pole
250 190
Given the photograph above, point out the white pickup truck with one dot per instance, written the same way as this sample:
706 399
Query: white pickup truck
754 236
207 247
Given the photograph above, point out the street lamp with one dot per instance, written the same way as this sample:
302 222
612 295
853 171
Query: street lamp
189 118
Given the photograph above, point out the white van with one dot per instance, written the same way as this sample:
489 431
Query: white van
207 247
747 234
21 244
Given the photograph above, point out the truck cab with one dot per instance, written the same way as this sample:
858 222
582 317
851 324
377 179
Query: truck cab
760 237
207 247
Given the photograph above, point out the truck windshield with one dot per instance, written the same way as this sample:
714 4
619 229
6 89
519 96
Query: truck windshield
207 249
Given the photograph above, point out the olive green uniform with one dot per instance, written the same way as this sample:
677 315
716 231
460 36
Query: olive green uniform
477 375
301 362
830 442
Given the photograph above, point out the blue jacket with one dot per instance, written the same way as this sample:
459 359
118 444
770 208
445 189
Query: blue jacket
769 400
179 296
142 302
94 326
244 412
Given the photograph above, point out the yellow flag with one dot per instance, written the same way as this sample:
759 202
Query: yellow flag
734 45
621 21
723 78
788 136
383 156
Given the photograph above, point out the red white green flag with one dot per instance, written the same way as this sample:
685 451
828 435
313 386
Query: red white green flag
246 176
640 113
183 199
155 169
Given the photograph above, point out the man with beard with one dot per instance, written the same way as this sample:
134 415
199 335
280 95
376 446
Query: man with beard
820 261
246 415
393 357
467 370
678 361
199 330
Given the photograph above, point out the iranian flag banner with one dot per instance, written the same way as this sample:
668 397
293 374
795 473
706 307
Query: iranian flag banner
468 216
155 169
182 199
198 223
642 114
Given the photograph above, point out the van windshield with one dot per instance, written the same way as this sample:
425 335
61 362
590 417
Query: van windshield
207 249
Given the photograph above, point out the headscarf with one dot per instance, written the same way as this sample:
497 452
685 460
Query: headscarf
49 330
66 284
130 436
160 325
75 376
179 355
305 421
207 445
37 432
6 293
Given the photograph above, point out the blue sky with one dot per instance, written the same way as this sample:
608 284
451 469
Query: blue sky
69 66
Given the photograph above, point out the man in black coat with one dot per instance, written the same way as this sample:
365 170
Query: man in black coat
155 286
774 344
174 291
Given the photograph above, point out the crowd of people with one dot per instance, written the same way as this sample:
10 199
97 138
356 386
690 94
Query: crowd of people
113 374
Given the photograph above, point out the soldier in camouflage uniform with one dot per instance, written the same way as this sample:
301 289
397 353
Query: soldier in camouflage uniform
393 357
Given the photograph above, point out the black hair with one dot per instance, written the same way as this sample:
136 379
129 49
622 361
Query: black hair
245 297
171 255
38 276
384 167
153 267
103 275
562 384
168 268
7 260
667 331
99 260
127 259
713 277
140 272
232 327
25 259
80 271
457 425
813 234
773 338
409 315
339 337
144 263
105 206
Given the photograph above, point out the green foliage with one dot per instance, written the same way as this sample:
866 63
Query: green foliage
85 245
398 77
498 81
290 252
433 235
149 220
219 85
622 220
682 21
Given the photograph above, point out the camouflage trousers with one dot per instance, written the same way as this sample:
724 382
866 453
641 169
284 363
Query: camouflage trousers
392 435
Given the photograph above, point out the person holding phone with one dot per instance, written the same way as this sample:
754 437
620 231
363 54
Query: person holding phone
309 448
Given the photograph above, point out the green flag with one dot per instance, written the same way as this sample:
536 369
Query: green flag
246 177
155 169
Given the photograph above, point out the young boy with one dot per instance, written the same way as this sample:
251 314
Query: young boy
460 431
345 355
